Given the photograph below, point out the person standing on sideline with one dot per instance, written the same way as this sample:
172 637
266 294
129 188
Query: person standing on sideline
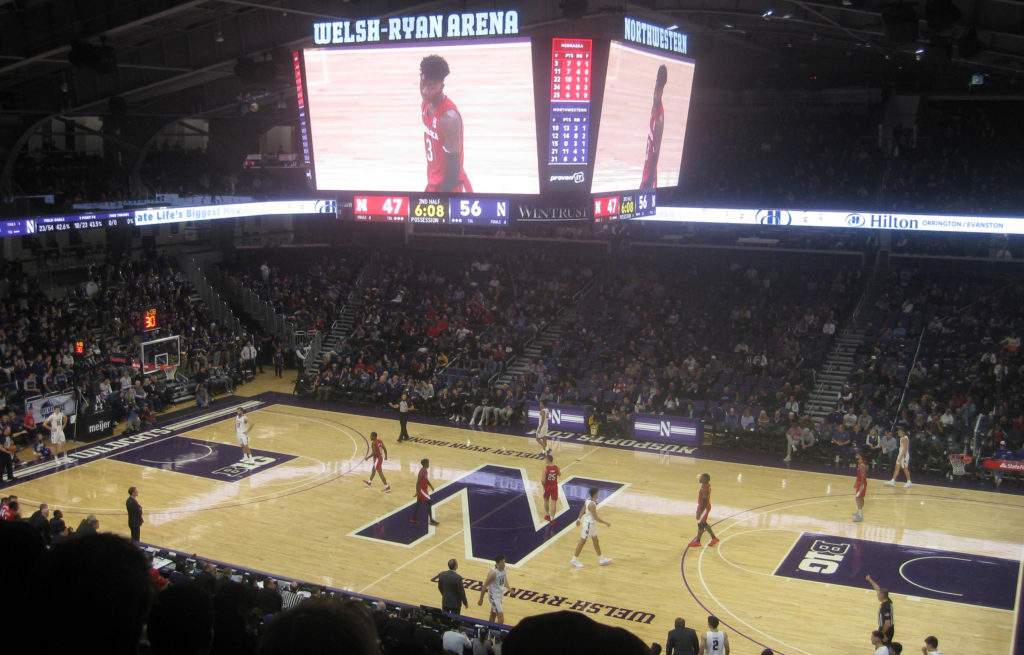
7 451
550 482
589 519
703 510
242 427
453 592
682 640
902 460
494 587
248 356
714 641
379 453
542 429
422 495
860 487
403 408
55 422
278 363
886 624
134 513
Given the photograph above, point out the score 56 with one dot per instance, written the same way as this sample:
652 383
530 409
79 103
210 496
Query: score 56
469 208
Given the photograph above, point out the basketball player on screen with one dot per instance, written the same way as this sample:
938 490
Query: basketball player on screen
650 178
442 130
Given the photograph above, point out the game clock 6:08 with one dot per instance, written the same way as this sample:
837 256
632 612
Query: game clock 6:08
428 210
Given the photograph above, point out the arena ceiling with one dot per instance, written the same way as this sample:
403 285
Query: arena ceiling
178 58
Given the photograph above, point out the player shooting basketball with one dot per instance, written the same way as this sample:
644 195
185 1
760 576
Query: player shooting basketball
442 130
650 177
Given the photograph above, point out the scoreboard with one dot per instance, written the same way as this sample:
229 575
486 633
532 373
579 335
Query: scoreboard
620 207
455 210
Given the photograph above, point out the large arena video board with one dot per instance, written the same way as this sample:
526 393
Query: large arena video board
377 124
643 119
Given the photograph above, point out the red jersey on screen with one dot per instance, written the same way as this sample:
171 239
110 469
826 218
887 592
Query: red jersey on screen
433 142
551 474
650 178
422 491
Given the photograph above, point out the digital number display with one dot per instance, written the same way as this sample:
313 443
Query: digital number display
149 321
606 209
478 211
636 205
381 208
569 126
428 210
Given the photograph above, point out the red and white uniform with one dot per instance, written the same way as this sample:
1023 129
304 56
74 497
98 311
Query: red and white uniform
551 473
433 142
860 488
422 490
378 454
650 178
703 517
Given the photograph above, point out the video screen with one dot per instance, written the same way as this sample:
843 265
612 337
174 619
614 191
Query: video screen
372 129
639 140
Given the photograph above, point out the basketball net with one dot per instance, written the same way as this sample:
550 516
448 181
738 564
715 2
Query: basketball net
169 371
958 462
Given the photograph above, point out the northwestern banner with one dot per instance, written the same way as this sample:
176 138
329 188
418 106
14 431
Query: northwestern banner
570 418
670 429
43 406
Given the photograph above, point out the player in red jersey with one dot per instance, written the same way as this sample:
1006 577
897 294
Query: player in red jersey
379 453
550 481
860 487
442 130
422 495
650 178
703 510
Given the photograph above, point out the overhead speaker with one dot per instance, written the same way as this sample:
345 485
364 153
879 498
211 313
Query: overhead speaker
900 21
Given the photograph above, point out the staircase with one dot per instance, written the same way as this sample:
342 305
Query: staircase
838 365
346 318
552 332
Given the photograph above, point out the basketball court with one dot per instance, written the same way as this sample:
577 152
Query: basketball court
788 573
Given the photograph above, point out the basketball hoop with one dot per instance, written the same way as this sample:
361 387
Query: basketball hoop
170 371
958 462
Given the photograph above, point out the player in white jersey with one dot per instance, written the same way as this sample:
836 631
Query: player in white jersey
494 587
542 429
589 519
714 641
902 460
242 427
56 422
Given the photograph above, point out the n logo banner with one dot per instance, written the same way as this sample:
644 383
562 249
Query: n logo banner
498 513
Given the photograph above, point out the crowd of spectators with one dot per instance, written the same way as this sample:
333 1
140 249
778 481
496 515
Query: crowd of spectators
309 295
442 328
87 343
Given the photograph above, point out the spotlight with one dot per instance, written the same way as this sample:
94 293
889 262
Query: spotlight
219 37
768 14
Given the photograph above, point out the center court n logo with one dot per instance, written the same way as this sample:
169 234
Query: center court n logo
497 514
